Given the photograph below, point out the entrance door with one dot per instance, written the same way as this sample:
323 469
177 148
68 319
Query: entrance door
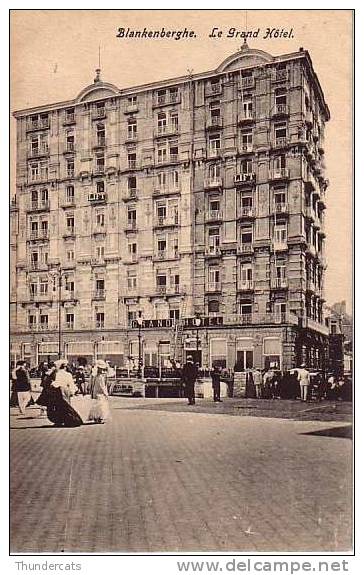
196 356
244 358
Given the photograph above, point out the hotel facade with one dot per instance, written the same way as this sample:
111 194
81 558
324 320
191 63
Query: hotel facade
139 210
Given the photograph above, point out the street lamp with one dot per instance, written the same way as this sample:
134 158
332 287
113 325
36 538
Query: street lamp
57 274
197 324
140 323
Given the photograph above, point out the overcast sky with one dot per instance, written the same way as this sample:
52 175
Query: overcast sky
55 53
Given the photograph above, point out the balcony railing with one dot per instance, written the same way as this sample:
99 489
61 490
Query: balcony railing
69 118
132 164
161 221
39 235
70 147
99 229
99 113
41 176
245 148
245 248
279 246
40 151
174 289
100 142
246 212
68 201
41 124
213 89
213 286
247 82
214 215
70 173
99 294
245 285
131 108
214 152
279 173
38 206
281 142
161 289
169 129
246 116
161 254
214 122
280 208
214 182
280 75
213 251
279 283
69 232
131 225
69 325
281 109
38 265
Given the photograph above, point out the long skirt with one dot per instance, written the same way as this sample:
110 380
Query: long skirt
100 411
60 412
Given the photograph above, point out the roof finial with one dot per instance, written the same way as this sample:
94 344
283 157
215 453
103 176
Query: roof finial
98 70
245 44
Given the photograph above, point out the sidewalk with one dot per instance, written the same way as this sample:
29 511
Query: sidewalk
158 478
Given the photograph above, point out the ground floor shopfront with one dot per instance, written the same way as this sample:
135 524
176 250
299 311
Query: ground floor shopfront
155 343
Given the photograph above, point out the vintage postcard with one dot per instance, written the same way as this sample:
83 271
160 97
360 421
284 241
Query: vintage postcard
181 284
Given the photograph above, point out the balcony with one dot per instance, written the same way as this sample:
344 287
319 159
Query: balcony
69 295
160 255
245 179
98 261
174 289
166 99
38 177
131 226
38 266
38 206
69 233
281 110
213 89
131 137
70 148
69 325
247 82
70 174
166 190
245 248
100 142
279 174
245 148
213 287
279 208
38 152
246 117
245 285
279 283
213 251
161 289
246 212
169 130
40 297
280 142
68 202
213 183
99 170
214 123
99 294
131 109
280 75
316 326
214 152
99 113
99 229
132 165
69 118
40 124
39 235
97 198
131 194
213 216
162 222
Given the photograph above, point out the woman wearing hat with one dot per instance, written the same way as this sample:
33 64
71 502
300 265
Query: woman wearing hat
100 410
59 410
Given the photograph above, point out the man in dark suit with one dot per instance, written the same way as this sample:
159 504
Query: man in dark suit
189 376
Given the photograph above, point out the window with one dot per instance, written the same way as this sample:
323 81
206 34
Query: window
161 283
279 162
280 233
132 316
175 179
215 113
70 320
132 251
214 172
281 100
244 353
100 286
100 219
213 276
247 106
132 279
70 223
214 208
246 202
70 142
43 321
214 145
70 194
246 137
161 96
100 187
174 121
70 166
173 153
70 114
100 135
280 132
245 307
173 95
280 271
132 218
132 185
214 240
162 154
161 246
100 319
246 166
218 352
44 197
162 180
132 129
246 234
161 212
162 123
246 274
70 286
100 252
100 164
33 289
213 306
174 282
32 321
272 349
174 314
34 172
132 100
132 160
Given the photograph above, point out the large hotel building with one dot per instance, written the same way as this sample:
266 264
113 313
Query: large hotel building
201 196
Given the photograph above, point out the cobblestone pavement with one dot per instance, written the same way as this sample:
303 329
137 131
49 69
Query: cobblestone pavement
153 480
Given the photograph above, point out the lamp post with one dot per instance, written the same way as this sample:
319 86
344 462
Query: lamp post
57 274
140 323
197 324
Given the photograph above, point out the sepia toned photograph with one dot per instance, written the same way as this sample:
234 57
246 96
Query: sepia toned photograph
181 340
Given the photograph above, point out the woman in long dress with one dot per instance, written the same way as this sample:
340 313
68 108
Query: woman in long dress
100 411
60 391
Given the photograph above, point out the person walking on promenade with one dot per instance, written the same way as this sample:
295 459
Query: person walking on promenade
258 382
303 377
59 410
189 376
47 378
22 386
268 380
80 380
100 410
216 382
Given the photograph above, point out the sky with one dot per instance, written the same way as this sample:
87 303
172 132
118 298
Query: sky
54 54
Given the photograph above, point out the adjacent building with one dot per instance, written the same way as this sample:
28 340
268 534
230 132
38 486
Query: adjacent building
139 210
